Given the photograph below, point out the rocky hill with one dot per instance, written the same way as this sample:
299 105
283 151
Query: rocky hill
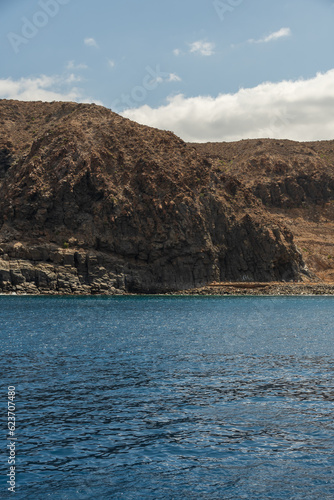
91 202
295 182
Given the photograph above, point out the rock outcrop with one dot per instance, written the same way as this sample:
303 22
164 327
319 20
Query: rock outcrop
282 174
91 202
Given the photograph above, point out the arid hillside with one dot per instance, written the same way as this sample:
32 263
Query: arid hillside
91 202
294 181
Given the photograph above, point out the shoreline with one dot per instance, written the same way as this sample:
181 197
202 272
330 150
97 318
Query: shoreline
265 289
223 290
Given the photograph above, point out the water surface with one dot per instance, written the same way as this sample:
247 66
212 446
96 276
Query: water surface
170 398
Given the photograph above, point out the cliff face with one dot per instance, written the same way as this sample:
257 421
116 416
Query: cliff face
295 182
92 202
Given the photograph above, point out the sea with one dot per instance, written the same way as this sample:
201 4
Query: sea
142 397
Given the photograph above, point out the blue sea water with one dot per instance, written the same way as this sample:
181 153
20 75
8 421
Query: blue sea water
169 397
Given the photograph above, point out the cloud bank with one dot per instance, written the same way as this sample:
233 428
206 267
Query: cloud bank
43 88
300 110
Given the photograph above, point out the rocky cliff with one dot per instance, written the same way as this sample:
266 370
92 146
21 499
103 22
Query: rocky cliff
295 182
91 202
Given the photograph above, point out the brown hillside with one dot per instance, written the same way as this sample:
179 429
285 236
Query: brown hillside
92 202
294 181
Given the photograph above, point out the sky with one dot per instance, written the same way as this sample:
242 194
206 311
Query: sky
208 70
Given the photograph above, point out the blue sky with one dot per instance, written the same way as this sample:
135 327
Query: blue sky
206 69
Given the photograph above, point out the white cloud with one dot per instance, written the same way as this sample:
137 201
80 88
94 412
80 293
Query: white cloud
203 48
282 33
72 78
174 78
177 52
73 66
91 42
111 63
299 110
43 88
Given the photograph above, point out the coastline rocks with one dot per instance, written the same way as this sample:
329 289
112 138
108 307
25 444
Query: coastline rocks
52 270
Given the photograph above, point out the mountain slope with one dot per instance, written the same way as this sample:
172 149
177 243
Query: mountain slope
295 182
92 202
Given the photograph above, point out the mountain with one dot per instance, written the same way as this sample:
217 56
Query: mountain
91 202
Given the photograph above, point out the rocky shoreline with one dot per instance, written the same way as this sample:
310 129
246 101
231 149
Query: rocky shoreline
273 289
50 270
102 289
